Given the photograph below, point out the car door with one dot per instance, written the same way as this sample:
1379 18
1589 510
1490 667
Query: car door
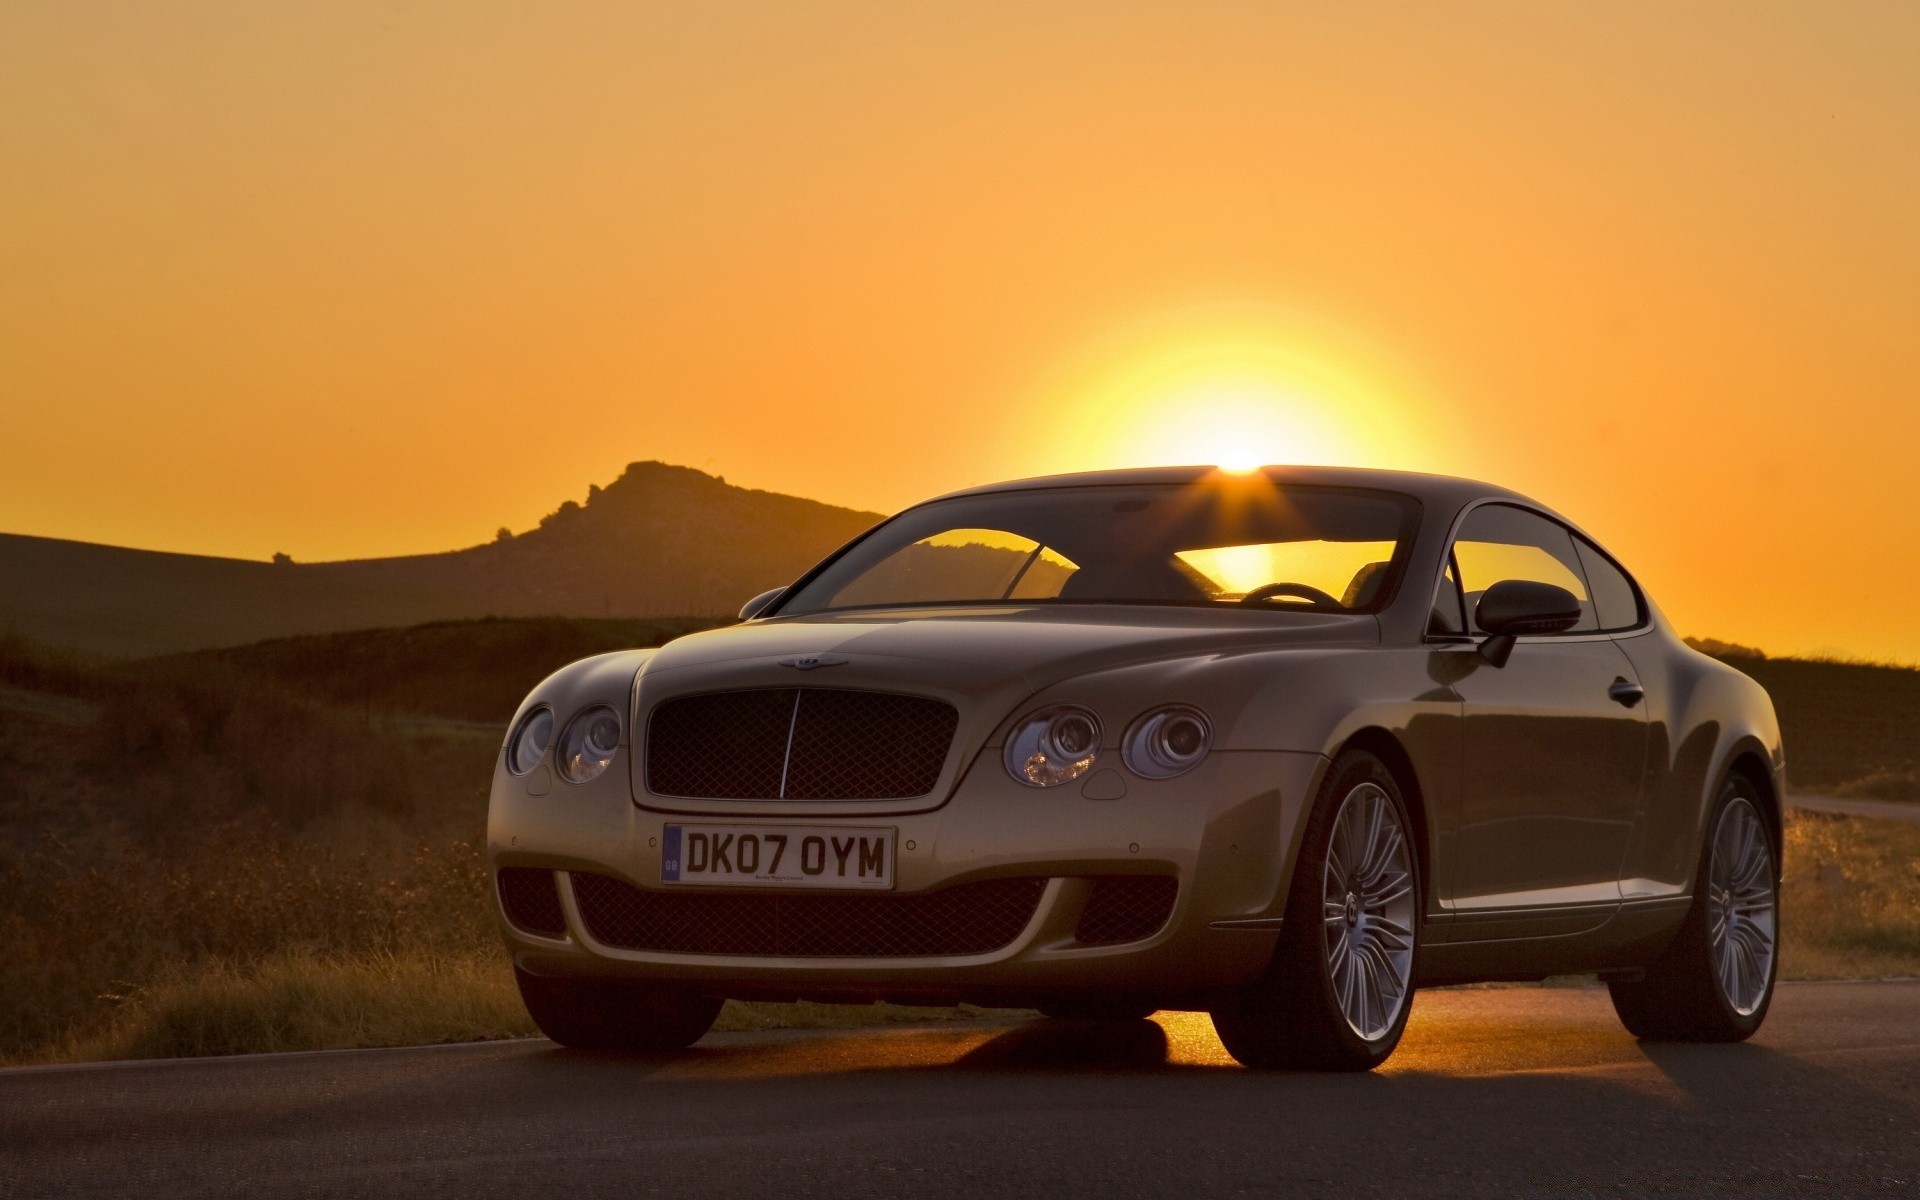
1553 745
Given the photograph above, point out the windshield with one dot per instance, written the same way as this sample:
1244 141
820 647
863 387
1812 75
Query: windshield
1241 541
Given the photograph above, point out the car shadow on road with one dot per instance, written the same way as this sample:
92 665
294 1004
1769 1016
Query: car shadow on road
1137 1045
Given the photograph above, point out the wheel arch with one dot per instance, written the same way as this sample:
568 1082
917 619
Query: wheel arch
1382 744
1749 761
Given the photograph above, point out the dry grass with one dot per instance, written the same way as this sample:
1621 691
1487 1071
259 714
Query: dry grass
300 1000
1851 903
92 939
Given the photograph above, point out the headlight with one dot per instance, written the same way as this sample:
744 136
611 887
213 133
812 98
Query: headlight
588 745
1166 742
529 742
1053 745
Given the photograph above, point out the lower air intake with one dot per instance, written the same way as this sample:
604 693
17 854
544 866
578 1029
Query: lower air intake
972 918
1126 908
531 900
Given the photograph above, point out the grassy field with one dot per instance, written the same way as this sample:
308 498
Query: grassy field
279 846
1850 903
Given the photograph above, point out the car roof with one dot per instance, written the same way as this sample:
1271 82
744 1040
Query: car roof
1441 490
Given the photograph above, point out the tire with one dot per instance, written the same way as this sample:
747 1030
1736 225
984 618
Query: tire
1714 983
616 1015
1338 993
1097 1008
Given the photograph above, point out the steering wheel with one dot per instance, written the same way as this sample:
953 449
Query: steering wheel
1295 591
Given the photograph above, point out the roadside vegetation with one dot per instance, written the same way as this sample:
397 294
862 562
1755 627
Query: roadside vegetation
1851 899
279 846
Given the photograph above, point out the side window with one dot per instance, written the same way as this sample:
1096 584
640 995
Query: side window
1042 578
1499 542
973 564
1449 617
1615 600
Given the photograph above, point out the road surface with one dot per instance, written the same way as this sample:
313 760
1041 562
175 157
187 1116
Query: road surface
1881 810
1520 1091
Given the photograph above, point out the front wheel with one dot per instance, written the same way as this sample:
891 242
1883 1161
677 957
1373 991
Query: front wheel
1341 985
615 1014
1715 982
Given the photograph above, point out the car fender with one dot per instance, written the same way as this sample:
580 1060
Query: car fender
519 806
1703 717
1312 700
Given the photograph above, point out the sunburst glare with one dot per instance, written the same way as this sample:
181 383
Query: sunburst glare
1237 388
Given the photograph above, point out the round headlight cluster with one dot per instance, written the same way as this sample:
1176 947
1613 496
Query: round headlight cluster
1167 742
588 745
530 741
1053 745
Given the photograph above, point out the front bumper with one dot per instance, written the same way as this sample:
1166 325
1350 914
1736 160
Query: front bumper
1227 832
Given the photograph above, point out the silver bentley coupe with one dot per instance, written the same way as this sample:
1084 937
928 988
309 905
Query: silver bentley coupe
1281 746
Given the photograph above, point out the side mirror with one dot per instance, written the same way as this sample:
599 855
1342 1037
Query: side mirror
760 603
1520 606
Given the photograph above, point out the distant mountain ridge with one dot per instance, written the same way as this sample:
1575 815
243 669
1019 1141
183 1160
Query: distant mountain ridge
659 541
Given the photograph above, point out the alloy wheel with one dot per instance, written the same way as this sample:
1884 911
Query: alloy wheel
1368 912
1742 909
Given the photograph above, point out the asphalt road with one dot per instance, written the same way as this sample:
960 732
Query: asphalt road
1494 1092
1883 810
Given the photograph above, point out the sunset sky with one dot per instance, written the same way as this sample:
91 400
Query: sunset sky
347 279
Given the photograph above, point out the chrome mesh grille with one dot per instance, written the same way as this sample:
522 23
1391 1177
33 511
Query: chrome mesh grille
798 744
1126 908
531 900
725 744
971 918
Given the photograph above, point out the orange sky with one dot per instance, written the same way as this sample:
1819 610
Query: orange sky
347 279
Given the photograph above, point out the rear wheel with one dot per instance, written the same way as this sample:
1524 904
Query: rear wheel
1715 982
1341 984
616 1014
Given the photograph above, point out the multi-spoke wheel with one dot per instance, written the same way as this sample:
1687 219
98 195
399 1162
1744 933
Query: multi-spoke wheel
1713 984
1741 908
1341 985
1367 910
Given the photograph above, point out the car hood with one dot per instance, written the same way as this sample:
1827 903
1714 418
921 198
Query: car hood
991 648
987 662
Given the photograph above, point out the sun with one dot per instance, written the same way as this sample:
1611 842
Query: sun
1237 420
1237 387
1237 460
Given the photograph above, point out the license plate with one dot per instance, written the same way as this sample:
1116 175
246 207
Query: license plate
796 856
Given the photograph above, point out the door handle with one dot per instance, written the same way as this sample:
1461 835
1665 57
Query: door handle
1625 692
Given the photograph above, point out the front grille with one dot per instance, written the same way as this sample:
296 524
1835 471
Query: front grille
798 744
1126 908
531 900
972 918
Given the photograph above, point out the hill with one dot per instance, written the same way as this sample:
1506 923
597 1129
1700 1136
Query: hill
659 541
1850 729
